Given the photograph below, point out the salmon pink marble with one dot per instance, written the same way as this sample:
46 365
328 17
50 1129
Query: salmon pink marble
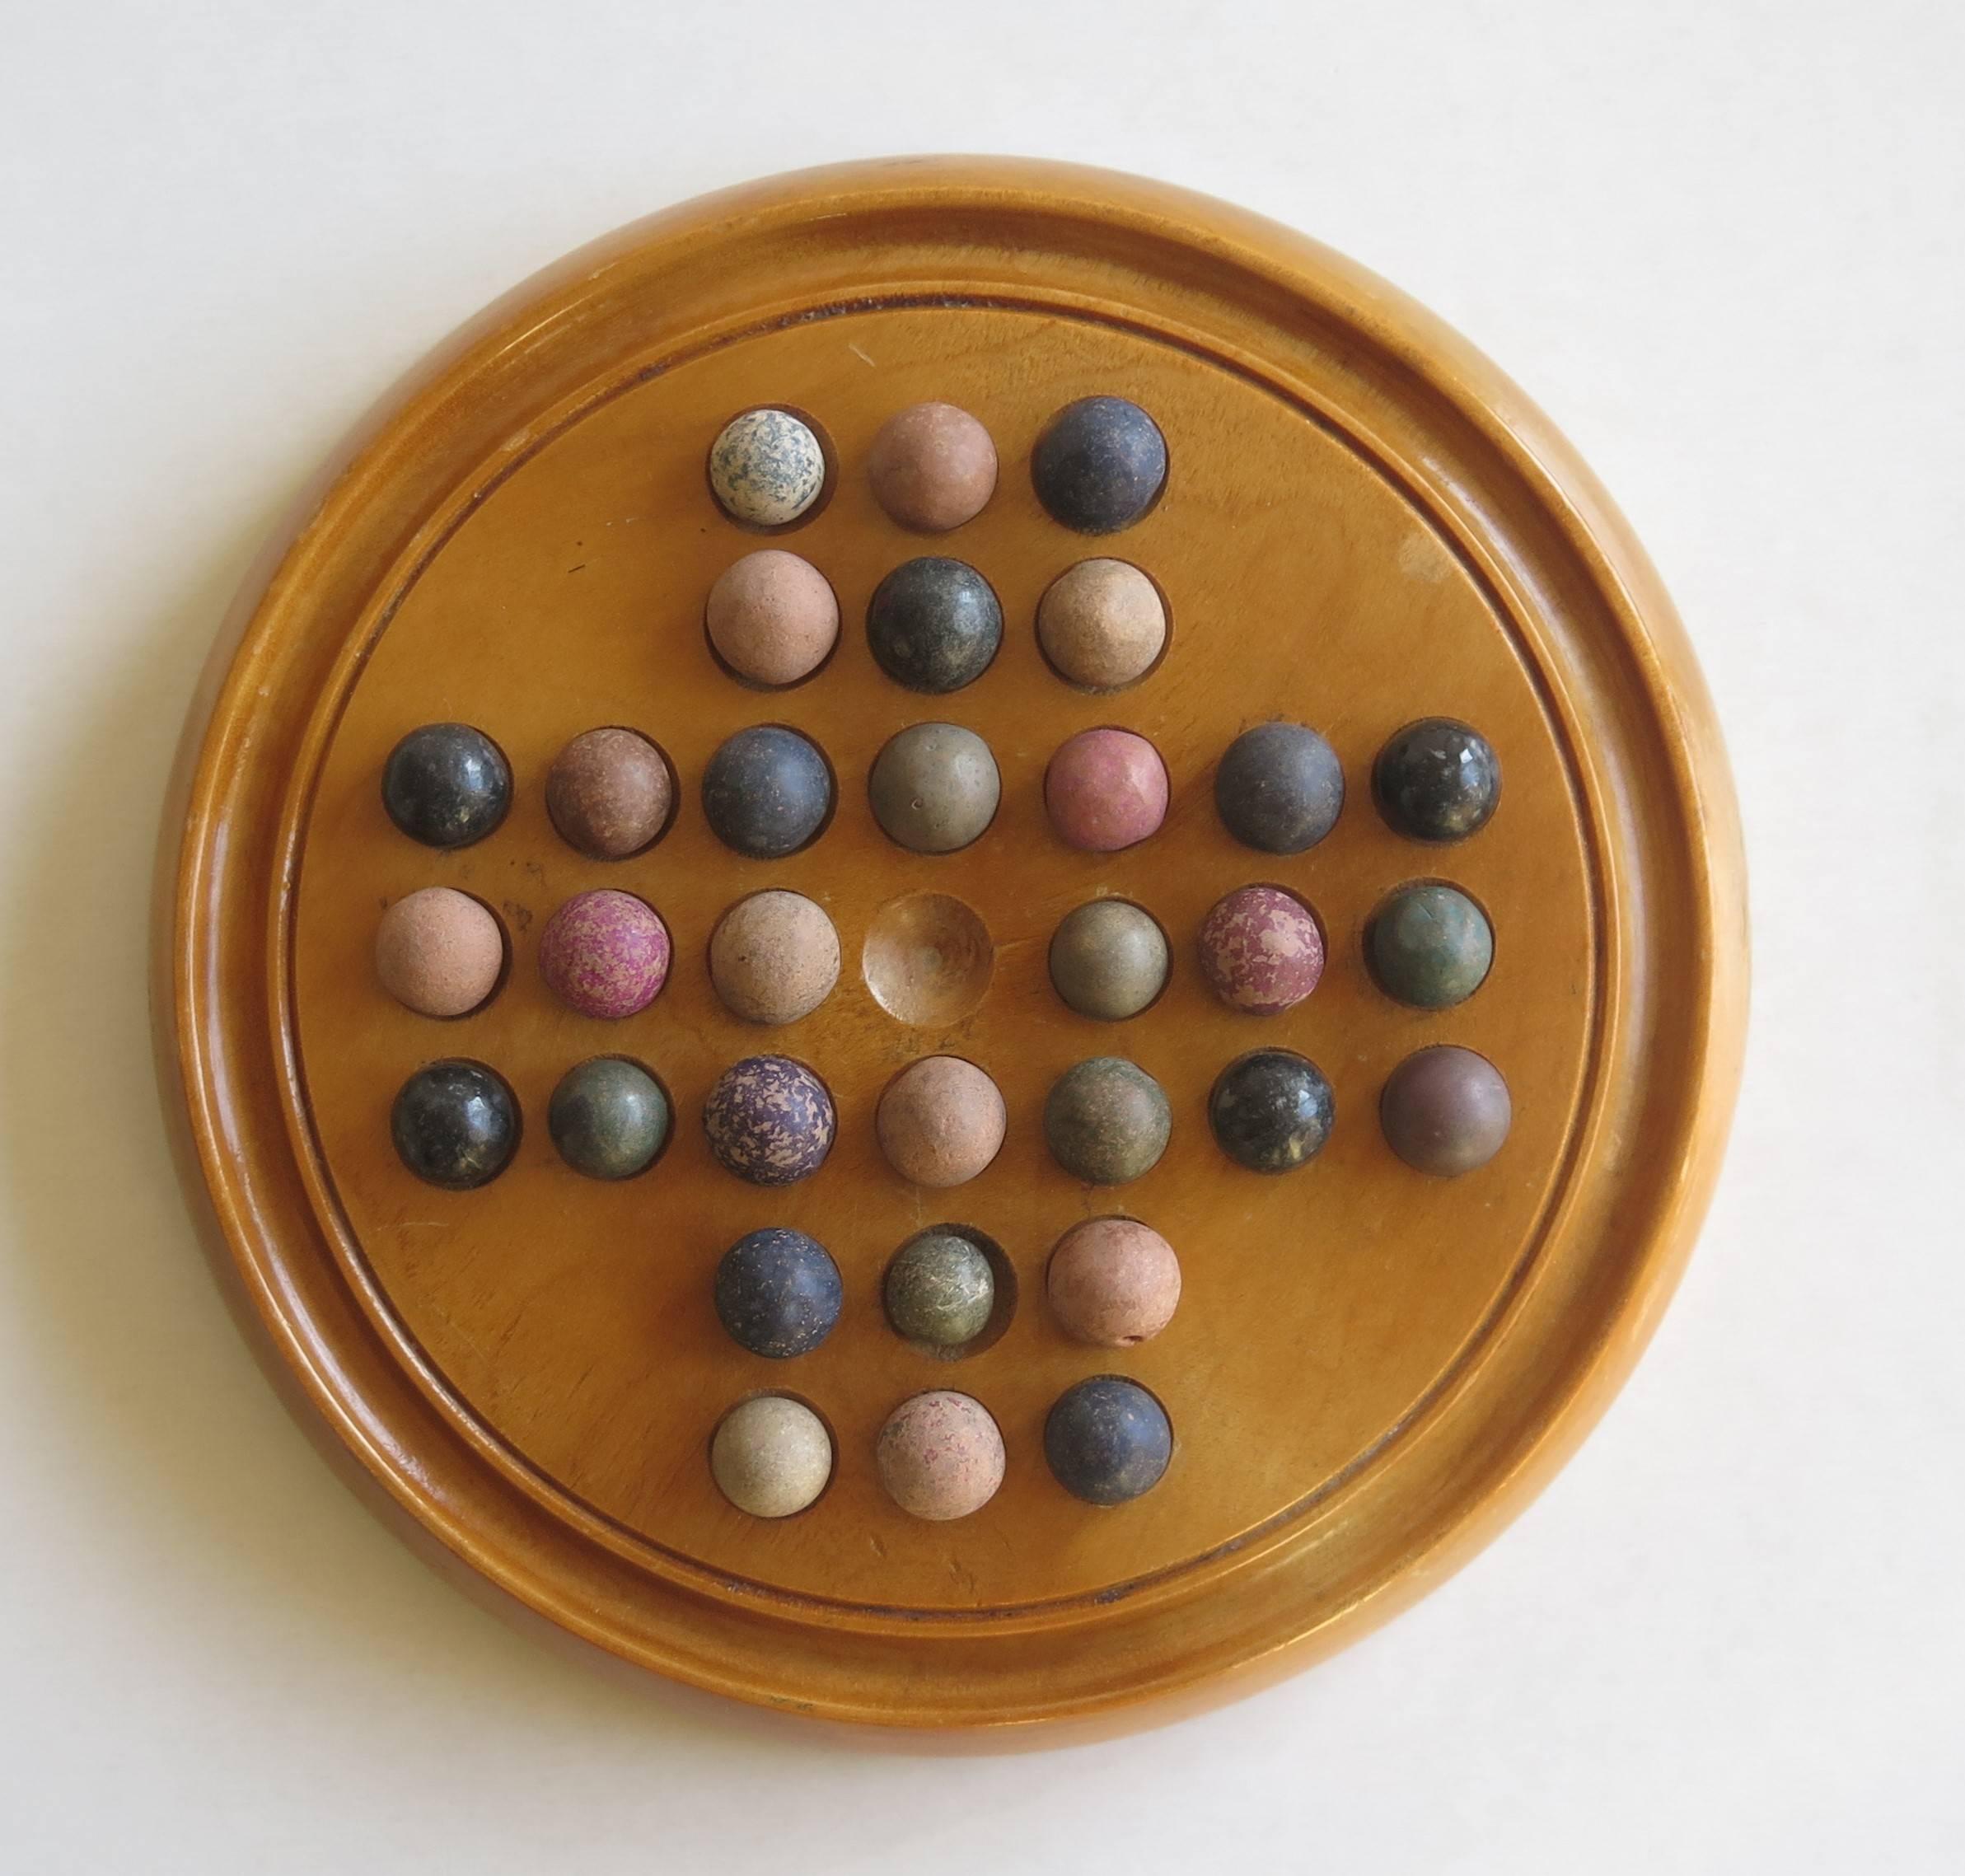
1106 789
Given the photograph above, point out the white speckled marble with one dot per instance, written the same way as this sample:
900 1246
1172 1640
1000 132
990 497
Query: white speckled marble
766 468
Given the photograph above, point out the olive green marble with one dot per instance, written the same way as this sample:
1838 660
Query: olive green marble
1106 1120
940 1290
1108 960
609 1118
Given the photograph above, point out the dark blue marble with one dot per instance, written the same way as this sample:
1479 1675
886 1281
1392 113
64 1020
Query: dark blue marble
1279 787
455 1124
767 792
1107 1440
779 1293
446 785
1099 465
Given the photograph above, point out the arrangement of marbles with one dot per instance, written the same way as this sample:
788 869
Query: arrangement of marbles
770 1120
941 1121
767 792
1106 790
1113 1281
1261 950
934 787
766 468
940 1456
1271 1109
610 793
447 784
779 1293
1109 959
771 1456
439 951
605 954
1445 1110
1278 789
934 624
1107 1440
940 1289
1106 1120
773 618
609 1118
1099 465
455 1124
1430 946
774 957
1103 624
931 467
1438 781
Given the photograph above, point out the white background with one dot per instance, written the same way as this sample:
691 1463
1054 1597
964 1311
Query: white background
1723 244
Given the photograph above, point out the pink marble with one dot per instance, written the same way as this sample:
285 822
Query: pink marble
1106 789
605 954
1261 950
940 1455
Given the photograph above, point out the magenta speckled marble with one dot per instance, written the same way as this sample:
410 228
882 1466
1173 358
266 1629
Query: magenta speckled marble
605 954
1106 789
1261 950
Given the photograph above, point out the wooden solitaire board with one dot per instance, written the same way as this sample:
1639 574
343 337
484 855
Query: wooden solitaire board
1363 524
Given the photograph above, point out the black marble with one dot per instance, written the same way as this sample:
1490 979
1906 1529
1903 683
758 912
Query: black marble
1437 781
1271 1109
767 792
1279 787
446 785
455 1124
770 1120
1099 465
1107 1440
779 1293
934 624
608 1117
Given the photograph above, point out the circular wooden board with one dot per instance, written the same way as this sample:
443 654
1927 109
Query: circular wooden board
1363 524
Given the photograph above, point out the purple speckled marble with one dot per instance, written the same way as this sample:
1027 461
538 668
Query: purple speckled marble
1261 950
770 1120
605 954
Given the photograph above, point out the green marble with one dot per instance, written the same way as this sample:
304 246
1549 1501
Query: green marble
1430 946
609 1118
940 1290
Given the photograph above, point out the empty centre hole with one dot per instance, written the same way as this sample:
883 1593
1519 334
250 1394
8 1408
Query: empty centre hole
927 959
